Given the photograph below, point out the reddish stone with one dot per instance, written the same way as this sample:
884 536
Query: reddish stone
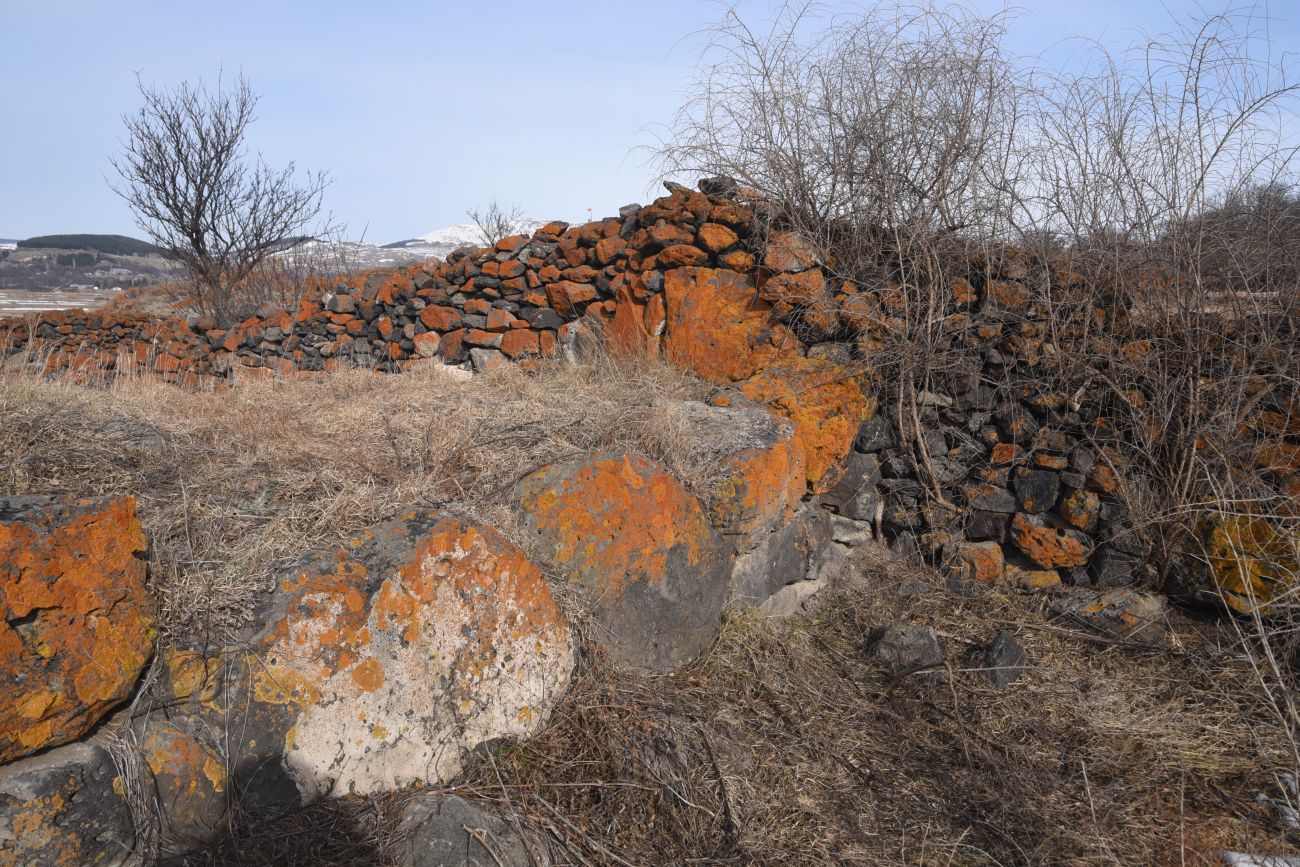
667 234
963 293
511 243
426 344
451 345
498 319
1005 453
1049 546
681 255
732 215
787 251
737 260
477 305
714 329
824 402
1080 509
519 342
1008 294
715 237
608 248
581 274
440 318
565 295
982 560
475 337
1050 462
800 289
625 332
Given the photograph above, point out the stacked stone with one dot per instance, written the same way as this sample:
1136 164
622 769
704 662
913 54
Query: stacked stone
482 305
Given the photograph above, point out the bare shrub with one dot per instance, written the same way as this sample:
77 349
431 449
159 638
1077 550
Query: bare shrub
495 221
198 194
1141 198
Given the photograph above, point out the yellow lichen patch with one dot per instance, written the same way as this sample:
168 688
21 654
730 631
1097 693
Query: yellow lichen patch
34 704
1253 560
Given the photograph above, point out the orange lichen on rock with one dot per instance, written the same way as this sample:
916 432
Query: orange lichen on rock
626 530
826 405
76 621
1049 546
717 326
434 633
761 476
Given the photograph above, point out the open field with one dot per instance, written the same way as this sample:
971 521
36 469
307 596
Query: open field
16 302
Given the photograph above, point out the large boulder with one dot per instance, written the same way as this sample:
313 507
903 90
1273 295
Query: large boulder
622 527
758 461
825 403
382 663
65 808
718 328
76 620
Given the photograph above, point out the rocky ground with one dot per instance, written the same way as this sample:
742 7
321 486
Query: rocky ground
904 716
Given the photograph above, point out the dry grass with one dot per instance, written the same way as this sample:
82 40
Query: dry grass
232 486
787 745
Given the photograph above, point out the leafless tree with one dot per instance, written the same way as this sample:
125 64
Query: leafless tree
198 193
495 221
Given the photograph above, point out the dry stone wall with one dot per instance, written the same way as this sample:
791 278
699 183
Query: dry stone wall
379 664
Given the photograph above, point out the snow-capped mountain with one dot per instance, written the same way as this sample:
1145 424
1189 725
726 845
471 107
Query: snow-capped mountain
342 256
442 241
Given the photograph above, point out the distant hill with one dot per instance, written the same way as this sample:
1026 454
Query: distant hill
119 245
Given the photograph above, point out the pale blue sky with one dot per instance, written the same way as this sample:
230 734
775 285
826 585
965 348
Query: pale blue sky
419 110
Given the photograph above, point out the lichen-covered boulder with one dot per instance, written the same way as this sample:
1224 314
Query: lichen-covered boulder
1049 546
625 529
826 404
718 328
65 808
383 662
1248 562
76 620
186 773
758 461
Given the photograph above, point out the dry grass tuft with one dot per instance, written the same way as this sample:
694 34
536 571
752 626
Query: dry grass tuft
235 485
